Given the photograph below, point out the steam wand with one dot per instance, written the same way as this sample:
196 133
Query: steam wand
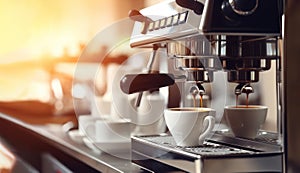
149 68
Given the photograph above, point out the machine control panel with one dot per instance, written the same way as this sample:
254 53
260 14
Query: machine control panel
162 22
173 20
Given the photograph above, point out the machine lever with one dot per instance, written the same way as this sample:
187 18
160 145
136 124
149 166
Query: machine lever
135 15
194 5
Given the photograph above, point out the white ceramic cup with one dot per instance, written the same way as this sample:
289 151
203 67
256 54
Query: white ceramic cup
244 121
86 125
113 131
190 126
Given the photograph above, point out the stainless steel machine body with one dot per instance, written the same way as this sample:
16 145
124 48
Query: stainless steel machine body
204 37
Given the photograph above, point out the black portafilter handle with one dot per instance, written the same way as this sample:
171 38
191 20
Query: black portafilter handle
194 5
133 83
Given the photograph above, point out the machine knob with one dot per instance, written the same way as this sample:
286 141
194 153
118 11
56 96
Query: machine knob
243 7
235 9
194 5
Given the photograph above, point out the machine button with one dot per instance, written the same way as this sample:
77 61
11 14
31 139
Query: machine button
169 21
156 24
182 17
151 26
162 23
175 19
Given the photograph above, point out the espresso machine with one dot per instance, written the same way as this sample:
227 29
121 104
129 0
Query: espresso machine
239 38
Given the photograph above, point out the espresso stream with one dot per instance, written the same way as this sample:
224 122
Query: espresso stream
200 101
237 99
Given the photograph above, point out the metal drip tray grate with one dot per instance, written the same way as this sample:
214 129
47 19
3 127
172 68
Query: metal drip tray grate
161 154
215 150
267 137
208 149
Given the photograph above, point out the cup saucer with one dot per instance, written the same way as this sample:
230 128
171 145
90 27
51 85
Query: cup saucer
89 143
114 147
76 136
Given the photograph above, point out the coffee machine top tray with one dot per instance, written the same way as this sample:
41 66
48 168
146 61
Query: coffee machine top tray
221 153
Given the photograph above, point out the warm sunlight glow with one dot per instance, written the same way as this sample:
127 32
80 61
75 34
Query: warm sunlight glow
37 35
30 28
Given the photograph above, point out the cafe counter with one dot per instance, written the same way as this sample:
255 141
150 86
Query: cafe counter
31 142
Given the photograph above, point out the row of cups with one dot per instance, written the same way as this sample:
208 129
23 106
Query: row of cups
189 126
104 129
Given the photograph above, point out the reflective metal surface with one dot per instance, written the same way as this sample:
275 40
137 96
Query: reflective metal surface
225 36
212 157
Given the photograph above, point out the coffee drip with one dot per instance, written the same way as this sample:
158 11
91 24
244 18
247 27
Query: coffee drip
237 99
243 88
196 91
200 100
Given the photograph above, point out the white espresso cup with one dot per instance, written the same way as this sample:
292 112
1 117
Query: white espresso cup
111 136
189 126
113 131
245 121
86 125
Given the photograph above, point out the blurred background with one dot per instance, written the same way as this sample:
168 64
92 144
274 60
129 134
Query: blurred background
41 42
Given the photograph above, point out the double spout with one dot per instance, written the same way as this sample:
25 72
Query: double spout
243 88
197 89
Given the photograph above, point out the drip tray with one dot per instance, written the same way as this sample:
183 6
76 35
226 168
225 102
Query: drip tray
208 149
160 154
